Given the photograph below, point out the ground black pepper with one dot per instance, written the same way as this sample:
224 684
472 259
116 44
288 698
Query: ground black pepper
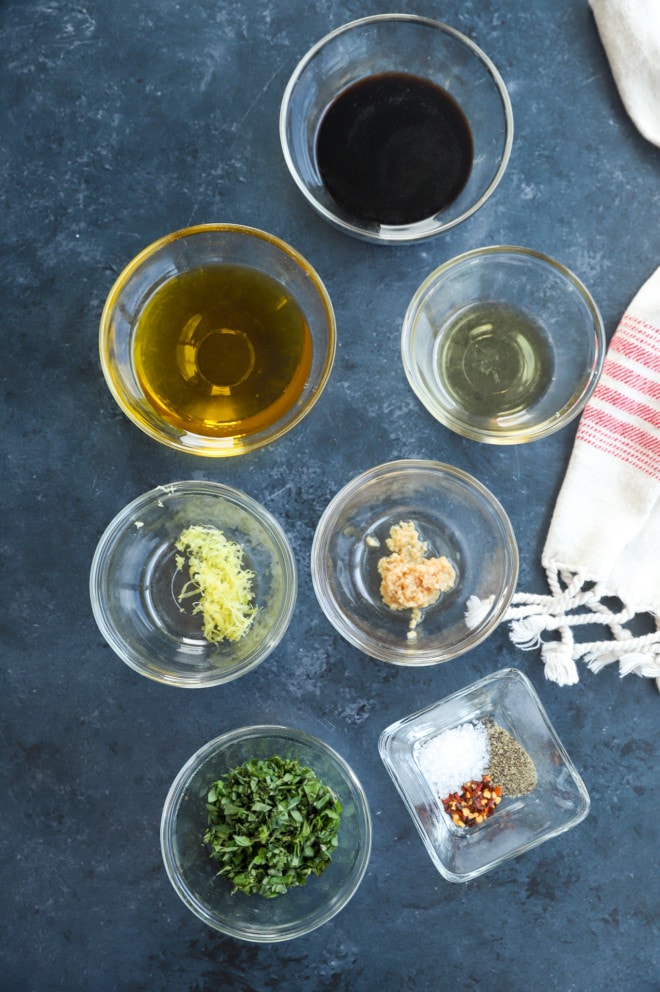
510 765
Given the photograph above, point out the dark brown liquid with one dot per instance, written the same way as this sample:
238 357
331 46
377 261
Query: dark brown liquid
394 149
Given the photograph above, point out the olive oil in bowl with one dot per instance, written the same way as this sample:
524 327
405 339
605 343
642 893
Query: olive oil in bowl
222 350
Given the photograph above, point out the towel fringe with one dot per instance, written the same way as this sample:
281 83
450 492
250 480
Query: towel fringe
476 610
575 603
558 662
526 632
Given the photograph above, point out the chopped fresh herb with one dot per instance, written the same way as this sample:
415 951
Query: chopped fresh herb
271 824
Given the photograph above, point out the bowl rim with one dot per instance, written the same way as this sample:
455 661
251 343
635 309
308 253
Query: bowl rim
202 445
404 233
409 654
546 428
125 649
175 795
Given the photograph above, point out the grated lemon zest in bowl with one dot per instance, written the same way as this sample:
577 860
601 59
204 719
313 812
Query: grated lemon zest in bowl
219 580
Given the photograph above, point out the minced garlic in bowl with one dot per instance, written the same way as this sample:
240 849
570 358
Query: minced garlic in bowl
410 579
399 553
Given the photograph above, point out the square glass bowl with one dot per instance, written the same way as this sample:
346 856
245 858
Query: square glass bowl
559 801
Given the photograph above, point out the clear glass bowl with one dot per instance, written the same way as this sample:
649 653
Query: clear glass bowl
496 388
457 516
192 249
559 801
191 870
397 43
134 584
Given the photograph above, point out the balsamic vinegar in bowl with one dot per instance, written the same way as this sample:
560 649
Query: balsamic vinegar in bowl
395 128
394 148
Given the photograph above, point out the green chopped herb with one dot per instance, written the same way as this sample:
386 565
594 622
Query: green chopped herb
271 824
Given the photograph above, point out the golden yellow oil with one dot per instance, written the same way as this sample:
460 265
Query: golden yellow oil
222 350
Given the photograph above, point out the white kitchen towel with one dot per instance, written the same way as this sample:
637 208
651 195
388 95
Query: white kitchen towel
602 550
630 33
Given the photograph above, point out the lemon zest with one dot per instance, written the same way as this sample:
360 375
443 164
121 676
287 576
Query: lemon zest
219 580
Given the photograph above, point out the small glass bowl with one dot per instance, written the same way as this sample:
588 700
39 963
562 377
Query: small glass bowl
191 870
195 248
418 46
559 801
475 378
134 584
458 518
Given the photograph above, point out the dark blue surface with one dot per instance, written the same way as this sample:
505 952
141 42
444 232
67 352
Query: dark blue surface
123 121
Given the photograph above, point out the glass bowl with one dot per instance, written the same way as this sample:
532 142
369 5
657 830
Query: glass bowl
503 345
191 870
558 803
457 517
135 584
217 339
421 48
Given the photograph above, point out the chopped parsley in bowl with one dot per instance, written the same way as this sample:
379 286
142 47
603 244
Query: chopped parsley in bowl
332 850
271 824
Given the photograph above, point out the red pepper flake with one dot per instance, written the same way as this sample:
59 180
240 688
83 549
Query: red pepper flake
474 803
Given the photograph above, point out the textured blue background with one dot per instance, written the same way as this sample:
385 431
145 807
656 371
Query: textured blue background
123 121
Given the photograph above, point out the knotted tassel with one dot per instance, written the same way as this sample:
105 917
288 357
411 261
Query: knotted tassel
476 610
526 632
559 664
641 663
598 660
645 663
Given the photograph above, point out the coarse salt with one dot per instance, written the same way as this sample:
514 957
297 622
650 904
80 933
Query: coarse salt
454 757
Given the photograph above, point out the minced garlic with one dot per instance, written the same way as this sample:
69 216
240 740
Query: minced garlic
219 580
410 581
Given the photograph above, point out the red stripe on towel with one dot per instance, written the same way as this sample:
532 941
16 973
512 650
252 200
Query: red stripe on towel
636 353
610 430
631 378
627 442
632 405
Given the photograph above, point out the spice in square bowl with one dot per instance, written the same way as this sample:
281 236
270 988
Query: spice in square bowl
484 775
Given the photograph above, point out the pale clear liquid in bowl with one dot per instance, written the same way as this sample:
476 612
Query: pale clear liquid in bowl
493 361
